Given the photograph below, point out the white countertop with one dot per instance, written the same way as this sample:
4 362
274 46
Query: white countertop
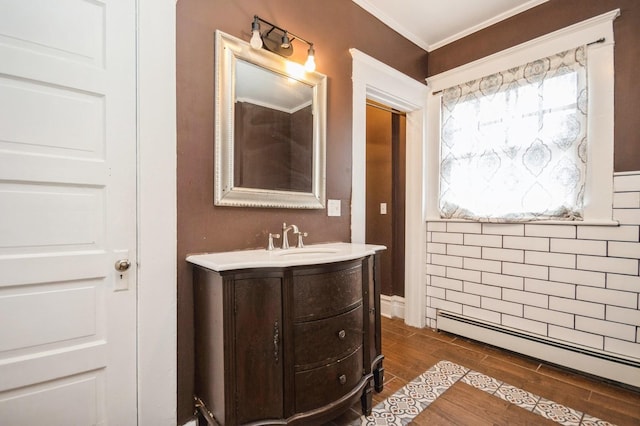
262 258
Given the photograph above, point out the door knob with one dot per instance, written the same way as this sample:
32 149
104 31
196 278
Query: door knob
122 265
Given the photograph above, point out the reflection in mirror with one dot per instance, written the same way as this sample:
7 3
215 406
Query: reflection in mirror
270 130
273 147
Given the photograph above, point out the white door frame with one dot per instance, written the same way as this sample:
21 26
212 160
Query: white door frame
157 227
377 81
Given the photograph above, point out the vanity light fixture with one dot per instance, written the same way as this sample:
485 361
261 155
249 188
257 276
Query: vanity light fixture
278 40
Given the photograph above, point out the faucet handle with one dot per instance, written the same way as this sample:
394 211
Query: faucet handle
271 237
300 235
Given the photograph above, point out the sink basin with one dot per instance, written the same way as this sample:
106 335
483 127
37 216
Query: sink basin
309 255
310 251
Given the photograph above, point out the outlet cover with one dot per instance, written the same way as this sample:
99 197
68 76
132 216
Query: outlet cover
333 207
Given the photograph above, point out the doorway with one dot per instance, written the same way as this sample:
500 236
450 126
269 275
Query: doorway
375 80
385 197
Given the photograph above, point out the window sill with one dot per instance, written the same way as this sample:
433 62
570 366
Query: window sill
592 222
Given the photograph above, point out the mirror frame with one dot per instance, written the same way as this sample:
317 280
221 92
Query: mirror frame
229 49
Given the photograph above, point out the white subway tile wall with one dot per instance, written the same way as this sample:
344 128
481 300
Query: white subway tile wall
576 283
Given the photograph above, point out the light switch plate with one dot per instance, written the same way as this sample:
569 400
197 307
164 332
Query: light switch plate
383 208
333 207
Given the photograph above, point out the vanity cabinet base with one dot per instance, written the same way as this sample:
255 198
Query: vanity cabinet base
294 345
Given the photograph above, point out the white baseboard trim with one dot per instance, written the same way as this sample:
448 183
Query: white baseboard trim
392 306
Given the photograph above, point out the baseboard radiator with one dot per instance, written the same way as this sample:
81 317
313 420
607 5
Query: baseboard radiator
602 364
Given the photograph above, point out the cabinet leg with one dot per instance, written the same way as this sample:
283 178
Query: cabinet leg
378 377
366 400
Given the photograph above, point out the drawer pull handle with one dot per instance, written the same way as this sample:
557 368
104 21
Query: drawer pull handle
341 334
342 379
276 341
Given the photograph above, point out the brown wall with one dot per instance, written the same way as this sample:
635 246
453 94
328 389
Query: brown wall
551 16
379 227
386 183
334 26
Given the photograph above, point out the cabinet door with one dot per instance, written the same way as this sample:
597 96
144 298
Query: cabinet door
258 337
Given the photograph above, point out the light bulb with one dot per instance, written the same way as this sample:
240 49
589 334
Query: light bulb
256 40
310 65
286 43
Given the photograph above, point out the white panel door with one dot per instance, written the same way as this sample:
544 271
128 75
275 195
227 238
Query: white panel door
67 212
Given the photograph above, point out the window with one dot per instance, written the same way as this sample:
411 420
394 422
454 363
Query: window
513 143
473 176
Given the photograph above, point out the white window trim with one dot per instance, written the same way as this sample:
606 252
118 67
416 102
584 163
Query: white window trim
600 69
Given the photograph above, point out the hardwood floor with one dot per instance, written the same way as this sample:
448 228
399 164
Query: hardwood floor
410 351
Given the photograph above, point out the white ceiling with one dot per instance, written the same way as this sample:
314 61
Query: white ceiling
433 23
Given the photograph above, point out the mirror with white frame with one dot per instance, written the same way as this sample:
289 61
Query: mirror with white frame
270 129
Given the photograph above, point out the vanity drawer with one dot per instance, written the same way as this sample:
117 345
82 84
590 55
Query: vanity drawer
321 386
318 294
324 341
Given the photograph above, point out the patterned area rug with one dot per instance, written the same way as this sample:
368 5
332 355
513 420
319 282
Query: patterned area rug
401 407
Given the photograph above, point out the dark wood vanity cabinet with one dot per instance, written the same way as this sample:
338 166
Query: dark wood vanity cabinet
287 345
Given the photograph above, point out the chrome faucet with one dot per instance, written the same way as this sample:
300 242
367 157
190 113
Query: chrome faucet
285 230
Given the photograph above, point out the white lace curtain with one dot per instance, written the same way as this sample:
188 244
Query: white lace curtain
513 144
